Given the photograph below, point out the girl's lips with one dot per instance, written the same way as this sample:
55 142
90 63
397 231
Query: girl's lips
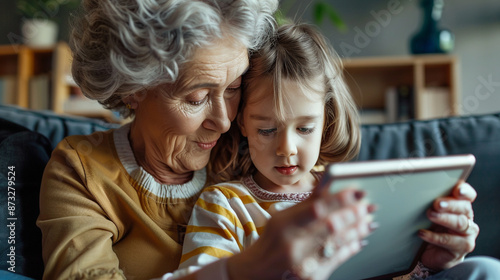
286 170
207 146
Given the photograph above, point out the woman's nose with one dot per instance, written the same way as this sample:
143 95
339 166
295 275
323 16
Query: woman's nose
217 118
286 145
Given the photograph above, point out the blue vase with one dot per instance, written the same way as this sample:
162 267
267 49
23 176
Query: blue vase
431 38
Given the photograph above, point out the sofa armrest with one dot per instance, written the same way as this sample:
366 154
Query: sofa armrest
23 156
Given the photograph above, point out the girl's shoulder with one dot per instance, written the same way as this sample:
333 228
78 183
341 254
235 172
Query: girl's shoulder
228 189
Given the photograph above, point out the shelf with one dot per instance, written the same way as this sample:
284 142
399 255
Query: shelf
432 78
27 66
24 63
369 80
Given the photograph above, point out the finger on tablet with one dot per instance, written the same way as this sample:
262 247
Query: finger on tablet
328 202
464 190
457 223
451 242
319 207
355 216
454 206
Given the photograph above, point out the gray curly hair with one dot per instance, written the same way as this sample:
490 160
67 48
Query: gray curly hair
121 47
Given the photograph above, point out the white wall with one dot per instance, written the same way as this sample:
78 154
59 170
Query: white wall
384 27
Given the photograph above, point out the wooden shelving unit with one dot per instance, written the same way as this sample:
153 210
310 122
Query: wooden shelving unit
370 78
62 70
24 63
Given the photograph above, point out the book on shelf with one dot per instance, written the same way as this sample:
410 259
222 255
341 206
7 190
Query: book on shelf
83 106
8 88
434 102
391 104
39 92
372 116
399 103
406 103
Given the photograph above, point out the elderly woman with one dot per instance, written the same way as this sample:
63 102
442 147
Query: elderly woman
115 204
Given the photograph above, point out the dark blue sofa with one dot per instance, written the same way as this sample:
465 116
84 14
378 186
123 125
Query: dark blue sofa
27 139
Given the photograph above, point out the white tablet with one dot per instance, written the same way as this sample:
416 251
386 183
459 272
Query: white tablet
403 190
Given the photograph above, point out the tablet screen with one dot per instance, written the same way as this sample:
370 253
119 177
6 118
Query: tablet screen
403 190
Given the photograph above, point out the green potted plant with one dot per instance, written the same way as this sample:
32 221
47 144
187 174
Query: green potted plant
320 10
39 27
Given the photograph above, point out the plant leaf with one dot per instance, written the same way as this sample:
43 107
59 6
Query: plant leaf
280 18
321 8
33 8
334 17
318 13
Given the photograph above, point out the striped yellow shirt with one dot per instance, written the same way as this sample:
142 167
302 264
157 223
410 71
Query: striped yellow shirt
229 217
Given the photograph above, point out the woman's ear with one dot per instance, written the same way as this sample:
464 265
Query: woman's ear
130 101
239 119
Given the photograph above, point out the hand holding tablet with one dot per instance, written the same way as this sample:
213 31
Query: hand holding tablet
403 190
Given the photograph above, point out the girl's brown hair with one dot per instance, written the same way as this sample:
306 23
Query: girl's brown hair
300 53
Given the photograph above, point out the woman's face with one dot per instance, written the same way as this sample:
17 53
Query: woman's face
182 122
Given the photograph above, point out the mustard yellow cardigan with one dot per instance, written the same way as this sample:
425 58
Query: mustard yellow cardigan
103 217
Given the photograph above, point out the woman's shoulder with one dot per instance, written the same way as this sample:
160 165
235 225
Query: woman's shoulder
91 145
95 139
76 150
85 161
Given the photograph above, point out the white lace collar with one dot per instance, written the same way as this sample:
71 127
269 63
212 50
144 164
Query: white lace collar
146 180
263 194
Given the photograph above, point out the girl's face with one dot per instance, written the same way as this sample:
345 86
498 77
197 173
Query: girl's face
283 152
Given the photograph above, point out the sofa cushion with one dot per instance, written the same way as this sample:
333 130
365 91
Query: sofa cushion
477 135
53 126
23 156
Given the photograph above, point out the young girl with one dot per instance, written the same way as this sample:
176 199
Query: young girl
296 114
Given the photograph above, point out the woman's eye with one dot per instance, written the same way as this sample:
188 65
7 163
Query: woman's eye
198 102
235 86
305 130
267 132
234 89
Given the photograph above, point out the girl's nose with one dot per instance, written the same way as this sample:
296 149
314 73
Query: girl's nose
286 145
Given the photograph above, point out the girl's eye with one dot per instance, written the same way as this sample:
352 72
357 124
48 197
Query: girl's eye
267 132
305 130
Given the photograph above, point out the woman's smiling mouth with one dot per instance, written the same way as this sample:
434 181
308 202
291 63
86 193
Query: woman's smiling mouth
207 146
